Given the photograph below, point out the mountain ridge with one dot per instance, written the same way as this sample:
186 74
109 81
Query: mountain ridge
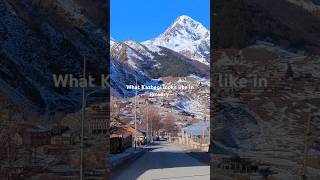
33 48
145 62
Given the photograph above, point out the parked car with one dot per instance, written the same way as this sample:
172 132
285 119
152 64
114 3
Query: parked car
119 143
141 140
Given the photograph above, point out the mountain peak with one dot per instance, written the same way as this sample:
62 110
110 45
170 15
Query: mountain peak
186 36
186 22
184 18
130 42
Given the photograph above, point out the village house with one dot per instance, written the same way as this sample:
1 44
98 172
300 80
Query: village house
98 120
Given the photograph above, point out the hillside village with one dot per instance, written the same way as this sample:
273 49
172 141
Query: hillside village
187 106
270 130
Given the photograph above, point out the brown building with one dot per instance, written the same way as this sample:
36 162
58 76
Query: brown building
98 119
36 136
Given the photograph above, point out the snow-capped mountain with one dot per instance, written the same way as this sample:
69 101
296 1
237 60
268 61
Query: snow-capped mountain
125 54
181 51
185 36
128 63
33 49
131 60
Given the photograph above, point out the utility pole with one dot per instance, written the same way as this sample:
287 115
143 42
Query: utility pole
306 144
135 118
147 123
82 120
151 131
202 129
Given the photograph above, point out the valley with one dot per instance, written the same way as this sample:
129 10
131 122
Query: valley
162 77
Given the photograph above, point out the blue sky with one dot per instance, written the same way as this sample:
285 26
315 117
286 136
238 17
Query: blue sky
141 20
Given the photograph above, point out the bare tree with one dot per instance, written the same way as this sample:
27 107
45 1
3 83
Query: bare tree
169 124
154 118
114 106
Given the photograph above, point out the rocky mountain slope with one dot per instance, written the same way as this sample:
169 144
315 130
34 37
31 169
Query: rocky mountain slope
127 66
277 21
42 38
131 60
310 5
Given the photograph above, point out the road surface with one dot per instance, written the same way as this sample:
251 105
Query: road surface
164 162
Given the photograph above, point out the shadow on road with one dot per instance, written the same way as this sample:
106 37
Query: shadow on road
161 156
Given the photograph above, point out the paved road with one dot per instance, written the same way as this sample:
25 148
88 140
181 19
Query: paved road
164 162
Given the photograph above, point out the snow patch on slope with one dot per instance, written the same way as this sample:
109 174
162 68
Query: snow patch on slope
306 4
140 48
189 105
